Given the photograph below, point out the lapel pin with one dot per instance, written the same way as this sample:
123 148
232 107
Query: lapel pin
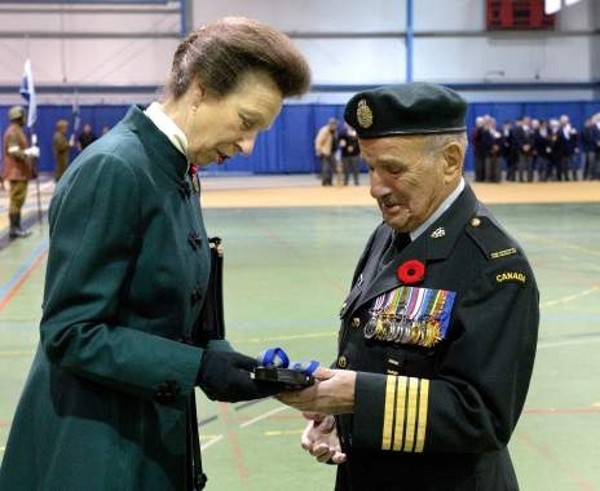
438 232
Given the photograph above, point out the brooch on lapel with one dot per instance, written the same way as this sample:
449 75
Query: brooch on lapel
193 171
411 272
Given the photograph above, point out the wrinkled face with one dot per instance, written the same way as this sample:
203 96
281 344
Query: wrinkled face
408 182
220 127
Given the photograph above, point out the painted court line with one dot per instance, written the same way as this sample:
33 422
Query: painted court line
263 416
570 298
210 443
18 279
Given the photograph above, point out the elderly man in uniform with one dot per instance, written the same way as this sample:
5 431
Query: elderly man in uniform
439 330
18 168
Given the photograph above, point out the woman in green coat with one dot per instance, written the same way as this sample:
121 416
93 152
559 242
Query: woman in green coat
108 402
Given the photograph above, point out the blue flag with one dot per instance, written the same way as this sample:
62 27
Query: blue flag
27 91
75 113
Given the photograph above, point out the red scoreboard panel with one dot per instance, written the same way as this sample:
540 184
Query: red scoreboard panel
502 15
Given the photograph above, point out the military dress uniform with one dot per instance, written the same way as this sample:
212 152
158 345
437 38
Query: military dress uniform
106 405
18 169
438 415
440 328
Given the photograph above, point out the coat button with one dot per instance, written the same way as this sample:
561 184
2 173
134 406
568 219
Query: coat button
194 239
356 322
196 295
475 222
167 392
342 362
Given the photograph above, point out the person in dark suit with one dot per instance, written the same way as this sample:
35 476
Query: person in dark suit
86 137
439 330
523 136
109 402
510 151
350 150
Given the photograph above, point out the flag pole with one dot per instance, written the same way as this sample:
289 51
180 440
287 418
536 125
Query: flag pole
27 91
37 179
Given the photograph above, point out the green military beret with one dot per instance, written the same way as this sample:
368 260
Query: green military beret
409 109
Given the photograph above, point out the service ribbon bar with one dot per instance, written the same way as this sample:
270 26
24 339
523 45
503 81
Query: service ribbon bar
411 315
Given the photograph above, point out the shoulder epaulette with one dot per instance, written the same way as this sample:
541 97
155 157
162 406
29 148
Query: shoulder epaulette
491 239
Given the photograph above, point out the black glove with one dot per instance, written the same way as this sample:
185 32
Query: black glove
225 376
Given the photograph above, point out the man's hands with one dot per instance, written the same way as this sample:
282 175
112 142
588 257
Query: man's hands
225 376
332 393
320 439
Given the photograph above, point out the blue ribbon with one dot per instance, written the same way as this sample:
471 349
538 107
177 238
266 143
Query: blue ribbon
278 358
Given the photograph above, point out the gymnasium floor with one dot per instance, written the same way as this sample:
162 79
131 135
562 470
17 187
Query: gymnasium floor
290 250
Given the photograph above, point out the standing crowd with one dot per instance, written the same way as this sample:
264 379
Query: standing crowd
535 149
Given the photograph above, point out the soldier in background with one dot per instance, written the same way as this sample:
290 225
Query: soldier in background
61 148
18 168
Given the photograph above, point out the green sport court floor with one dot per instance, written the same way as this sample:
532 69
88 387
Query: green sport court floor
287 269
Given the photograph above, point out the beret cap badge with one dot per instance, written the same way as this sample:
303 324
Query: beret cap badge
364 115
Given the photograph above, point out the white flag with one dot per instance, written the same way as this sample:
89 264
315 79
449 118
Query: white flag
27 90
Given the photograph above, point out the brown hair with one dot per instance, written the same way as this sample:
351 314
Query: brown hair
220 54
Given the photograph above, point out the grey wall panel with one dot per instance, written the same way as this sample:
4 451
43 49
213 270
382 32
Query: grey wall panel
308 15
88 61
505 59
355 61
66 24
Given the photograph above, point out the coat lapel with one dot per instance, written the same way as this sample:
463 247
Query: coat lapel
435 244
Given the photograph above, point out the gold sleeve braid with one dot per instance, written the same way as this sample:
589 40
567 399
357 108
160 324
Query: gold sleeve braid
405 414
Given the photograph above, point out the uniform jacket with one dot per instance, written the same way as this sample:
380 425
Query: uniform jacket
440 417
61 149
16 168
105 404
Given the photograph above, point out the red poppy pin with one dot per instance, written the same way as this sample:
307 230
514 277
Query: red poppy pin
411 272
193 170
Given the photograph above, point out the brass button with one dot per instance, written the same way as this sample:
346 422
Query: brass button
356 322
475 222
343 309
342 362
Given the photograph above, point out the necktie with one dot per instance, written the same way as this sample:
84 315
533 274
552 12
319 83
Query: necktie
399 242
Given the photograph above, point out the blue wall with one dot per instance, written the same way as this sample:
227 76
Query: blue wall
288 147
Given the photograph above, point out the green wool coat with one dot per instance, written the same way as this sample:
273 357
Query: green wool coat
104 406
